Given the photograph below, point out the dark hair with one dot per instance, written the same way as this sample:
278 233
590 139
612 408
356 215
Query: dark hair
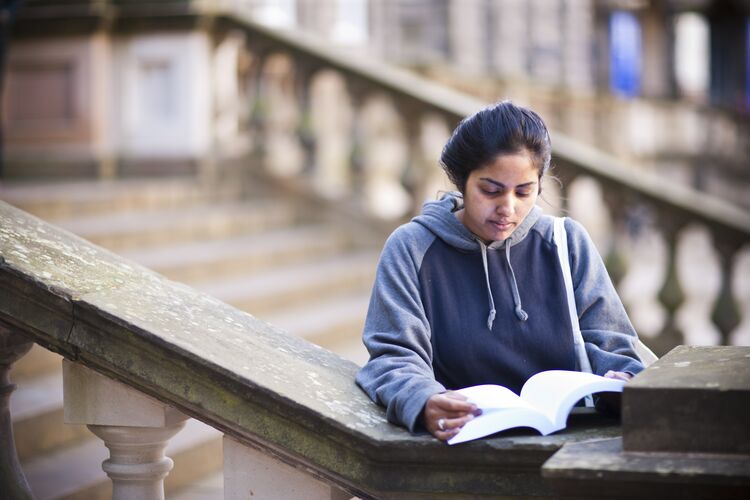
502 128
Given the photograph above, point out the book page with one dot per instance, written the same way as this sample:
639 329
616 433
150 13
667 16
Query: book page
490 396
496 420
555 392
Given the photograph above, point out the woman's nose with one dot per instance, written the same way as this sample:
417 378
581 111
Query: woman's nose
505 206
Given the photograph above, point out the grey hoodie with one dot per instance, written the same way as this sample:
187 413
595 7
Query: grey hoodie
447 312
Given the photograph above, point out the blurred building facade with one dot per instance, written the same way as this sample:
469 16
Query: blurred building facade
662 83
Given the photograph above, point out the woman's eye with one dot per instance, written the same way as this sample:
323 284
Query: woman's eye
522 194
490 192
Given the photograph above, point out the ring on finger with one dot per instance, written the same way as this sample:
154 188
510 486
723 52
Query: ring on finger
441 424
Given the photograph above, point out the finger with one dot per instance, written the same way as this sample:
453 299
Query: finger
450 424
618 375
451 427
449 404
445 435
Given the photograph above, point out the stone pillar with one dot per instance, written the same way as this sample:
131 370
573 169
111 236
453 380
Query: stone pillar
546 40
12 347
578 37
250 473
468 35
658 46
134 427
510 39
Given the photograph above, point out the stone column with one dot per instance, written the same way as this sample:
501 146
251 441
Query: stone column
250 473
12 347
134 427
658 46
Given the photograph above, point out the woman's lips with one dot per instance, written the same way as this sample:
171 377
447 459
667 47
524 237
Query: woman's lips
501 226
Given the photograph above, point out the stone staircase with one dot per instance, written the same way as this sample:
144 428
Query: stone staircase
248 246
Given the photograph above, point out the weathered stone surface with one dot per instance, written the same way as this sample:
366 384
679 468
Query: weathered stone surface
241 375
694 399
601 469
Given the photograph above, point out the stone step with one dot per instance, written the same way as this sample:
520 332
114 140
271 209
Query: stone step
75 472
57 200
208 488
195 261
285 287
120 231
36 408
38 361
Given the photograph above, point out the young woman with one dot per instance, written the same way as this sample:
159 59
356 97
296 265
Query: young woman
471 292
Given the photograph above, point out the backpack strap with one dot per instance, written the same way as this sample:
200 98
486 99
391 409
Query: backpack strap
561 242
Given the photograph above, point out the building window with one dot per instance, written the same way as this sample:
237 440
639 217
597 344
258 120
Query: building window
351 22
692 55
625 54
274 13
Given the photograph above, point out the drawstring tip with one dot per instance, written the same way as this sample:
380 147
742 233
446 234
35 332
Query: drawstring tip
491 319
521 314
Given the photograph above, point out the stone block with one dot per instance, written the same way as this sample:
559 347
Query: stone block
93 399
601 469
694 399
249 472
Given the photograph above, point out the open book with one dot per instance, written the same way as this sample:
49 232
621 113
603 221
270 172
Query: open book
544 404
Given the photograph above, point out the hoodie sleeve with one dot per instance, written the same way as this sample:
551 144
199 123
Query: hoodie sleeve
399 373
606 329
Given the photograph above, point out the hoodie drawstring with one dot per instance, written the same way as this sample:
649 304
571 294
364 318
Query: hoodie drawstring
520 313
491 317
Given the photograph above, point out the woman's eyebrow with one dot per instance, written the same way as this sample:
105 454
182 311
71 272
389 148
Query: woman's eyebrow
503 186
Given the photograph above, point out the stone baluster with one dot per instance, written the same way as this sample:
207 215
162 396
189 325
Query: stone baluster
726 315
303 75
357 91
14 486
134 427
615 259
252 473
671 295
331 124
414 175
258 102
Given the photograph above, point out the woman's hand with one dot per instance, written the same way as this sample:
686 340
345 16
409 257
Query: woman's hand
618 375
610 402
445 414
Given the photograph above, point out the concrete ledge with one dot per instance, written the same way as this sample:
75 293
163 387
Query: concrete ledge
696 399
601 469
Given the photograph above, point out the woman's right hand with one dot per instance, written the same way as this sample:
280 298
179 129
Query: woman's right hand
445 414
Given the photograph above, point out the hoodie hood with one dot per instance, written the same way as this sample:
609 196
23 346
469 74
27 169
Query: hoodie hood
440 218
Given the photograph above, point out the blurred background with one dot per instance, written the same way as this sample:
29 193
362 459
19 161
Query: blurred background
261 151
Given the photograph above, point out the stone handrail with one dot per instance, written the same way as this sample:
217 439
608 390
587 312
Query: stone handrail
258 385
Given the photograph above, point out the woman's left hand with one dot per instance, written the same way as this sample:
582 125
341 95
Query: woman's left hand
618 375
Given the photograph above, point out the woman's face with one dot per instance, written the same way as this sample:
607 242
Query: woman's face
499 195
